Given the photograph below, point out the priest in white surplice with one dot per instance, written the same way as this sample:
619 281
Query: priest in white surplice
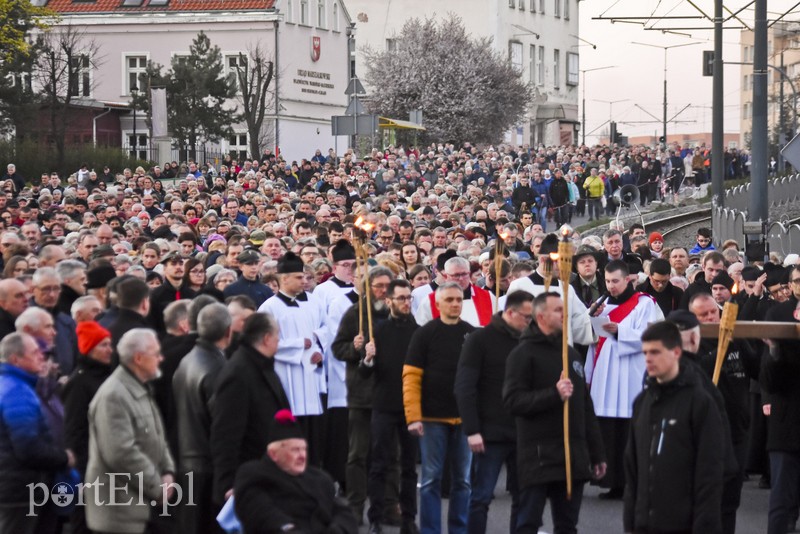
298 362
580 328
615 367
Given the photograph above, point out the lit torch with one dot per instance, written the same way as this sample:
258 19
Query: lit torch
564 258
547 269
727 324
366 228
498 263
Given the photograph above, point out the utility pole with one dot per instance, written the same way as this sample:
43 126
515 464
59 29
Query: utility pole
759 201
583 98
665 48
781 126
717 117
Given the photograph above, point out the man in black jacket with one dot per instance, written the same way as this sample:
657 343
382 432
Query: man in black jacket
247 396
134 303
384 359
348 346
667 296
173 288
673 465
780 379
534 392
193 388
523 194
559 198
489 427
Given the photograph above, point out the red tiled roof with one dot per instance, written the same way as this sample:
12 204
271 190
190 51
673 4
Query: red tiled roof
173 6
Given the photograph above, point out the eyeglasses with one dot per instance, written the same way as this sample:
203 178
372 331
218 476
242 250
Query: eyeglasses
49 289
457 275
405 298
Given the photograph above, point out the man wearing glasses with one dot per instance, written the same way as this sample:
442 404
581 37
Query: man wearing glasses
478 307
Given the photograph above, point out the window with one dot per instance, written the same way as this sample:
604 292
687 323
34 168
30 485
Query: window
566 9
137 145
304 12
541 6
540 67
21 80
572 68
289 11
135 67
131 3
321 12
746 110
238 146
556 68
533 6
80 82
532 61
522 5
515 55
157 3
336 16
511 4
391 45
233 63
557 8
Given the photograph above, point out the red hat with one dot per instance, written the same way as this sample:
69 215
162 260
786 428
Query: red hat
90 334
655 236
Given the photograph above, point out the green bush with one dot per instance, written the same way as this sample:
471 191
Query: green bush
33 159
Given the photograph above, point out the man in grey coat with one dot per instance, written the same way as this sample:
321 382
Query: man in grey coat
130 468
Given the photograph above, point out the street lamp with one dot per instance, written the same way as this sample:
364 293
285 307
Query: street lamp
665 48
583 98
134 94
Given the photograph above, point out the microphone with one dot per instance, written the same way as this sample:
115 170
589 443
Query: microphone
596 304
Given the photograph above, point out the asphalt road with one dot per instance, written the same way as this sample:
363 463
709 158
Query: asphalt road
605 517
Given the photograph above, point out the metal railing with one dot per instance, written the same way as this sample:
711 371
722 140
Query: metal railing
782 235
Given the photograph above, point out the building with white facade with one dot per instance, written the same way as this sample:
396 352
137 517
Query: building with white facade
540 37
308 39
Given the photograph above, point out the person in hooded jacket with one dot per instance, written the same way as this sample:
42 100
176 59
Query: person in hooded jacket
534 392
673 465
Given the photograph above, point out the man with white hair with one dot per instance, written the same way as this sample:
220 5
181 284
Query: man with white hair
46 291
72 274
479 305
128 450
85 308
38 324
30 455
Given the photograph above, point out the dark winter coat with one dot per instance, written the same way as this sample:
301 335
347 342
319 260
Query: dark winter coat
668 300
359 386
391 345
268 498
248 394
530 394
673 465
780 379
78 392
479 382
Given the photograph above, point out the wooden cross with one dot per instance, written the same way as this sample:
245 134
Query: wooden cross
755 330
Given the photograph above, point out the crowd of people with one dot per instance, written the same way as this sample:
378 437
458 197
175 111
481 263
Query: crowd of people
286 342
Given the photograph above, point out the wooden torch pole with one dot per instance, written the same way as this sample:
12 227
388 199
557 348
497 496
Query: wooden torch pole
565 254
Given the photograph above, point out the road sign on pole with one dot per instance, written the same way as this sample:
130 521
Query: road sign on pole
792 152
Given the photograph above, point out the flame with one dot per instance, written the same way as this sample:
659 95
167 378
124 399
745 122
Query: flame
367 227
735 288
358 222
565 232
554 256
503 235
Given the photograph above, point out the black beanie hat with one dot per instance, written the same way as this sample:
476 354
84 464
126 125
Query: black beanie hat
723 279
342 251
284 426
549 244
290 263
